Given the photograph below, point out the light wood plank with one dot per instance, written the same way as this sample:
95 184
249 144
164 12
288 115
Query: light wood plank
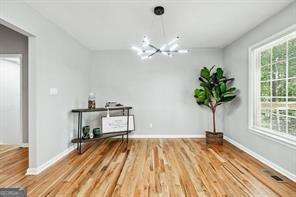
146 167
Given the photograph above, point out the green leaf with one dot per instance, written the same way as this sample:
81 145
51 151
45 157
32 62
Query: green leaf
206 102
200 95
227 98
205 85
223 87
219 72
202 79
205 73
231 89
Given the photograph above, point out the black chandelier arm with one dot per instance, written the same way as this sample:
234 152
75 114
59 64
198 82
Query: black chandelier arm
157 51
154 47
168 51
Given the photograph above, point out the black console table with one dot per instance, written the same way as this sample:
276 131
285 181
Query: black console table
79 140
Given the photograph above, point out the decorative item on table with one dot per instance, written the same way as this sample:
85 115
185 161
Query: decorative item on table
85 132
110 104
91 101
96 132
91 135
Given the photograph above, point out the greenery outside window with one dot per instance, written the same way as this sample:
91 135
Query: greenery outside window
273 93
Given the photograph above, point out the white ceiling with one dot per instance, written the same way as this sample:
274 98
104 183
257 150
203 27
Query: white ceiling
104 25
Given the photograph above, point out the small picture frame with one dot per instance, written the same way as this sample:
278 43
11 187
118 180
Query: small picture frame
117 123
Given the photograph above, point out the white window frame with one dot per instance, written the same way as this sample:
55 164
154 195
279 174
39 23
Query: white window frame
254 79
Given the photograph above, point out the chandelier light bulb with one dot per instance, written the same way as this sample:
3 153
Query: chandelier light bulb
136 49
150 51
173 41
147 50
163 47
183 51
174 47
146 41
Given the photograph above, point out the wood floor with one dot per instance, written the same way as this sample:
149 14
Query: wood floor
158 167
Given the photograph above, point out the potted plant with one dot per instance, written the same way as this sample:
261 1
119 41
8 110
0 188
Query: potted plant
215 90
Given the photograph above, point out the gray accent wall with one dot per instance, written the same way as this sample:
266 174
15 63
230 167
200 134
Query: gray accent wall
160 89
12 42
236 114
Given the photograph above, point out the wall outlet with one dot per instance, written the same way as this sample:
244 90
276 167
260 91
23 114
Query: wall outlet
150 125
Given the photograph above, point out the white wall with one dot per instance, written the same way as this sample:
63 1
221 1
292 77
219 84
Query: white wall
58 61
160 89
236 114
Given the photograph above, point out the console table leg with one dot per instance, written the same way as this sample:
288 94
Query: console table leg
79 131
127 130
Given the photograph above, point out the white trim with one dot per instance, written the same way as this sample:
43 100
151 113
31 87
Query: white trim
165 136
267 162
36 171
290 140
24 145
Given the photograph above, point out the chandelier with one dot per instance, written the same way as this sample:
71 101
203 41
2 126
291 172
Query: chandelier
146 50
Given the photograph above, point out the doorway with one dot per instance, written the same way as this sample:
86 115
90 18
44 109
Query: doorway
10 99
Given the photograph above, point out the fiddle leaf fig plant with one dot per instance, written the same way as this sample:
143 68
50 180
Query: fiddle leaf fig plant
215 90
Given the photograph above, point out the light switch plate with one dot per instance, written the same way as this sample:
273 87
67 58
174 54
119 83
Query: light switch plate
53 91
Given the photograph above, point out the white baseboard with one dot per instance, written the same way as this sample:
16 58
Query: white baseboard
262 159
36 171
165 136
24 145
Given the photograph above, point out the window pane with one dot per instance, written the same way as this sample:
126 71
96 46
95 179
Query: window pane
265 88
292 87
279 88
278 123
292 112
265 57
265 73
279 52
265 118
279 106
292 48
292 126
292 67
279 70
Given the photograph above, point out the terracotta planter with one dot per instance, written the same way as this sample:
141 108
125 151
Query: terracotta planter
214 138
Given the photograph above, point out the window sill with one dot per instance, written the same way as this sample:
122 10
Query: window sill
274 137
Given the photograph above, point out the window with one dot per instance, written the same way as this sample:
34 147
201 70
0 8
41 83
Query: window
273 88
